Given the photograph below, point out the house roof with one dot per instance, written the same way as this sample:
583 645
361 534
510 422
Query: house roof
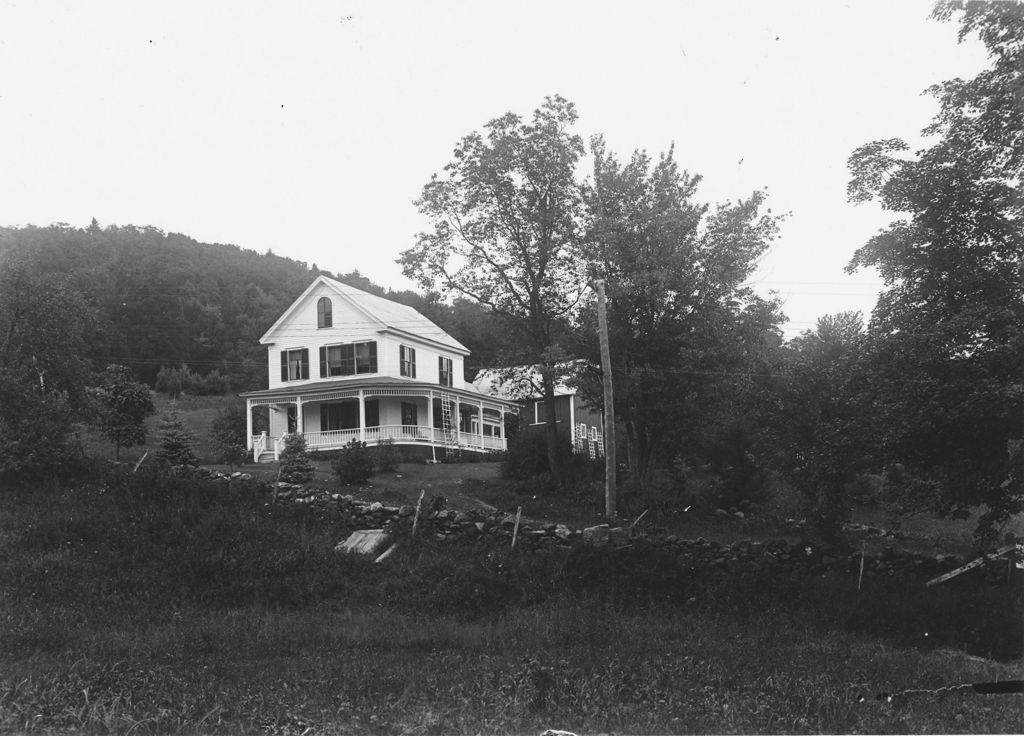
370 382
518 383
389 315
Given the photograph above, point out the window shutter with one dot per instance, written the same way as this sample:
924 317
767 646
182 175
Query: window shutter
323 362
284 365
304 364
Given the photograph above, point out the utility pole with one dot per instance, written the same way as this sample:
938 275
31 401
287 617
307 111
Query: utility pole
609 405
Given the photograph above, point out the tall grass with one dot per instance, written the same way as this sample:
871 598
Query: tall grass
143 604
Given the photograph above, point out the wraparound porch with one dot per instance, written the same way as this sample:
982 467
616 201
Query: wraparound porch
406 412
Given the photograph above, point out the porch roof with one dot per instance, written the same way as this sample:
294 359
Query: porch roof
380 385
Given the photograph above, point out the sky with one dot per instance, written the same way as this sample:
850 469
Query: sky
309 128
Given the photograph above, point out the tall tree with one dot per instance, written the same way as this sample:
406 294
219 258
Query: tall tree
44 325
506 218
819 426
681 319
947 334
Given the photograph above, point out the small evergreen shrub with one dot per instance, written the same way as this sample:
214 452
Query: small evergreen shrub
387 456
176 443
354 464
296 466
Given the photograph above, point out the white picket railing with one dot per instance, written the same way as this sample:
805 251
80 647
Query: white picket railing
401 434
259 446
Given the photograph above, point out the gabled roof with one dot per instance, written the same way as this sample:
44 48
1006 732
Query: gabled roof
388 315
519 383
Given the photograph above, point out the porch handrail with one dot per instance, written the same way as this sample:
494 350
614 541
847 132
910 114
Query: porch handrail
279 445
402 434
259 446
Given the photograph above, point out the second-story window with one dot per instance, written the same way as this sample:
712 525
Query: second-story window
295 364
407 361
324 312
348 360
444 371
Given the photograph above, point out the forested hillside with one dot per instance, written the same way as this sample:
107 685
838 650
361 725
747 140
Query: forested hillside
167 300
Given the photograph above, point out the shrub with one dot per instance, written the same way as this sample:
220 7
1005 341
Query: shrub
34 426
387 456
866 489
176 381
169 381
354 464
175 443
227 436
741 475
296 467
527 455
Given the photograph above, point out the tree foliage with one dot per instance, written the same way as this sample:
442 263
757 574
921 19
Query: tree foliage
683 326
177 445
227 435
506 230
294 461
122 405
354 464
44 327
818 428
163 299
946 339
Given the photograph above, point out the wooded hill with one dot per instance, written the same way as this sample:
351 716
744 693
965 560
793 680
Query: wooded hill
168 300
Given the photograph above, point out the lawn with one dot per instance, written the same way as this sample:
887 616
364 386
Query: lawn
196 412
142 604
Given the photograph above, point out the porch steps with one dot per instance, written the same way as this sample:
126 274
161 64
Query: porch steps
267 456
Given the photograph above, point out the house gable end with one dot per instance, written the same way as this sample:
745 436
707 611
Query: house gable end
345 311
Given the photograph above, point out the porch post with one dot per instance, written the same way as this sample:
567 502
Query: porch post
431 430
300 425
480 413
572 422
362 417
430 415
248 424
501 428
458 421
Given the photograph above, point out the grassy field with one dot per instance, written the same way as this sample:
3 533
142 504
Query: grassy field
197 413
151 605
142 604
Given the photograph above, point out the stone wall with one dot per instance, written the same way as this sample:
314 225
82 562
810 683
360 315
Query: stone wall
469 528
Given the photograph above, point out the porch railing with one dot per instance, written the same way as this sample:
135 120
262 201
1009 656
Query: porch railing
259 446
400 433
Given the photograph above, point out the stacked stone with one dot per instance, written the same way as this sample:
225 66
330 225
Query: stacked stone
742 557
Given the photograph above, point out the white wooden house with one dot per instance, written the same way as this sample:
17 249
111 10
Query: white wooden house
344 364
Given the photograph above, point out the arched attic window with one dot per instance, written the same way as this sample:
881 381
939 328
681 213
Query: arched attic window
324 317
